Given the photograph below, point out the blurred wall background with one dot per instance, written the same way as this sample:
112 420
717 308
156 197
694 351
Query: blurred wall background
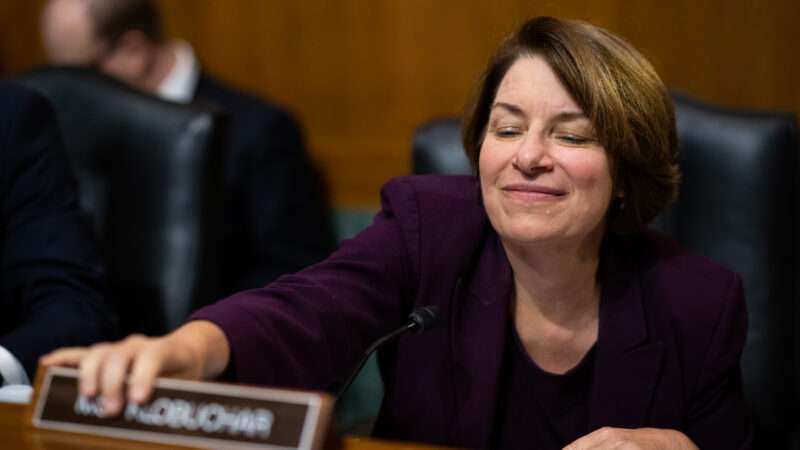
362 74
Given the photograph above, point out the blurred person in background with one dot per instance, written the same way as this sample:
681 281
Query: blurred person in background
277 220
52 280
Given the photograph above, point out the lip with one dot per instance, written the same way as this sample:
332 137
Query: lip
532 190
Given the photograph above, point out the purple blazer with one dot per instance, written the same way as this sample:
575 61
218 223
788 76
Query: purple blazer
672 325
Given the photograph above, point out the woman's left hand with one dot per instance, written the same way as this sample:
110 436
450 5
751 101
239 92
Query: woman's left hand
633 439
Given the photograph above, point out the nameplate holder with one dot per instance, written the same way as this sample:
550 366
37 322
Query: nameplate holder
190 413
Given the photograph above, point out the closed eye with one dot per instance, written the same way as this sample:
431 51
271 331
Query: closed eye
574 139
507 132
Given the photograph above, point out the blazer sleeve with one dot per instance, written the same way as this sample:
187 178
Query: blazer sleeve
52 278
309 329
717 408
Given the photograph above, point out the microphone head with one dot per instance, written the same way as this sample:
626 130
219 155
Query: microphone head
425 317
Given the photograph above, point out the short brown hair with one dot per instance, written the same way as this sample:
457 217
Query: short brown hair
621 94
113 18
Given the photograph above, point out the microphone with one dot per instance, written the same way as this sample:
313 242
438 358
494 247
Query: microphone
421 319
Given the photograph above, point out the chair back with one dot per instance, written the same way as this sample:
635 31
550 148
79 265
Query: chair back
738 205
150 173
437 149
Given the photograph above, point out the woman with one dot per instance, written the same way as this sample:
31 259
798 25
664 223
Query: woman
566 324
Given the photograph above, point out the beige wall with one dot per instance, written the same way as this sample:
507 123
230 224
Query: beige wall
361 74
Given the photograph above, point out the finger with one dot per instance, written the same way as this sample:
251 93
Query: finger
148 364
89 369
69 357
113 374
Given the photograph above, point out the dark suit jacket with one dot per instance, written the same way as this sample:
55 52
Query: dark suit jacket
51 276
672 325
278 219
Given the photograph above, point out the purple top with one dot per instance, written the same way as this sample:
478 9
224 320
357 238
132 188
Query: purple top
671 325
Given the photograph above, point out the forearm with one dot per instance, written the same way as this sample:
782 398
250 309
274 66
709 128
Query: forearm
207 344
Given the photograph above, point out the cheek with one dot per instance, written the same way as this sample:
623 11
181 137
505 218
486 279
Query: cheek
493 158
115 67
489 168
588 167
126 66
485 163
593 176
486 169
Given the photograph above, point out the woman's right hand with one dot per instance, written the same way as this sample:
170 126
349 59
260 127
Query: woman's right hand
197 350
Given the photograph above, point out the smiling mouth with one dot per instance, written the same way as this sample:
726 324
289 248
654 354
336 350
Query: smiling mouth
533 192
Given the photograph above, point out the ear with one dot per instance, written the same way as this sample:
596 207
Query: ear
130 59
134 42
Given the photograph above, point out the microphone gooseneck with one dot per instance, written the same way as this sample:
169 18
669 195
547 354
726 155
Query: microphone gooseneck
421 319
425 317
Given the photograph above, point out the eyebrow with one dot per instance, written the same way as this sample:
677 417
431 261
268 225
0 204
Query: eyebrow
564 116
513 109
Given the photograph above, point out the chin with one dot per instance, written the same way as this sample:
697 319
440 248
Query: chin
528 233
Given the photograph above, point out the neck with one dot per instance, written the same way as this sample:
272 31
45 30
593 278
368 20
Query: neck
161 64
556 283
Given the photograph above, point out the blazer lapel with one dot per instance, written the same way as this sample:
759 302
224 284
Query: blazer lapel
627 365
477 342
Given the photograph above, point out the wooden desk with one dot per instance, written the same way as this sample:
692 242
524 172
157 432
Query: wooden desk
17 433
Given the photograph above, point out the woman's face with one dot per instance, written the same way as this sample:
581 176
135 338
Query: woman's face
544 176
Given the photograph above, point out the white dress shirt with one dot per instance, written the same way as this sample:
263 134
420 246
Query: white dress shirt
181 82
16 385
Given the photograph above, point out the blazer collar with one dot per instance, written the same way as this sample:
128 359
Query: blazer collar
477 342
626 364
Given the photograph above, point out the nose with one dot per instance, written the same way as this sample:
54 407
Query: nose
533 155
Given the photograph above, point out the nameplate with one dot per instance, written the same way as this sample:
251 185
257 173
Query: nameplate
191 413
